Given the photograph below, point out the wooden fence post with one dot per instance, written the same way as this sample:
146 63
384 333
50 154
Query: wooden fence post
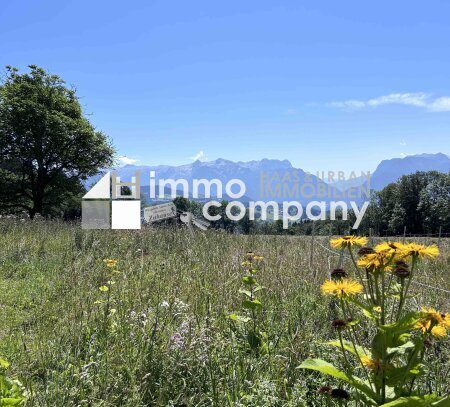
311 252
440 234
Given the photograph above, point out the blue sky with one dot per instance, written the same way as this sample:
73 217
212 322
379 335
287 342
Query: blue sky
328 85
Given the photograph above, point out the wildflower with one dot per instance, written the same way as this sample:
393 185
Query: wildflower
325 390
342 288
401 269
430 314
374 261
371 364
339 323
103 288
446 321
433 322
257 258
423 325
348 241
177 341
439 331
110 262
365 250
339 394
418 250
389 247
338 273
250 256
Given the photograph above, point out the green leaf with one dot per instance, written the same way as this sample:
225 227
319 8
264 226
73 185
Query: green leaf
249 280
445 402
10 401
330 370
246 293
4 364
401 374
253 305
353 322
369 313
238 318
348 346
324 367
407 323
400 350
416 401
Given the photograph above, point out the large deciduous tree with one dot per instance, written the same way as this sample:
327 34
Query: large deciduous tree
47 145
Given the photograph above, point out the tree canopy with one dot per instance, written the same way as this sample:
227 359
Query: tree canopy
47 145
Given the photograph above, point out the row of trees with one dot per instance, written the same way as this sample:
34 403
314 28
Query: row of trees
419 202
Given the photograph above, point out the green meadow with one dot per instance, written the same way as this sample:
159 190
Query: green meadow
155 329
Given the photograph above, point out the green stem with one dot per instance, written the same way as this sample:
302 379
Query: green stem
358 272
347 363
402 303
355 342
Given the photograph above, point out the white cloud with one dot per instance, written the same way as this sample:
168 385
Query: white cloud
418 99
403 142
124 160
440 104
349 104
199 156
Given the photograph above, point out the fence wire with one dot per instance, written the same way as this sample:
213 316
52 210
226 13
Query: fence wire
341 255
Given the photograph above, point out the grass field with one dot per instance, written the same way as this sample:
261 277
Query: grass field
160 335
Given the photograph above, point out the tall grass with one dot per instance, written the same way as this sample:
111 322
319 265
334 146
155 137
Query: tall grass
160 335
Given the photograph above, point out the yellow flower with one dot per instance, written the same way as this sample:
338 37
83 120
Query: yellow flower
375 261
430 314
389 247
439 331
423 325
370 363
103 288
341 288
110 262
348 241
419 250
446 321
438 322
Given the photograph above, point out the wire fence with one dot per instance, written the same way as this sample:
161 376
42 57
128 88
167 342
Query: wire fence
342 256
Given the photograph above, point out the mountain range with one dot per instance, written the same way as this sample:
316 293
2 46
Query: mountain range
278 180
